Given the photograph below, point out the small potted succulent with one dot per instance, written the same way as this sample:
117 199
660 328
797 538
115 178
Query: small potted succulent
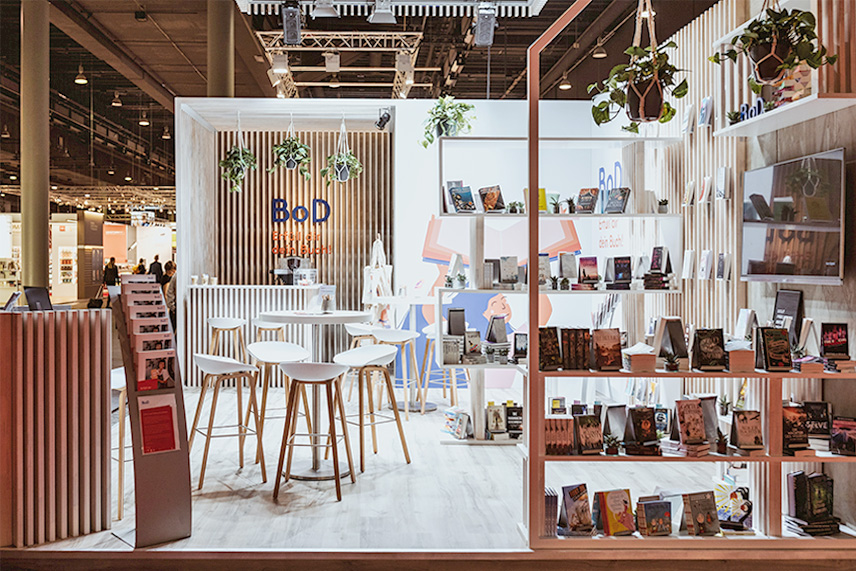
724 405
554 282
461 281
502 355
448 281
721 442
239 160
292 154
611 444
515 208
342 167
446 119
775 42
799 352
663 206
556 205
565 284
770 106
671 362
572 206
733 117
489 353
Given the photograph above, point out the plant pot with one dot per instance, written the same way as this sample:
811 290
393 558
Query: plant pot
565 287
644 101
767 57
613 451
343 172
663 209
290 163
672 367
446 129
721 447
723 410
460 285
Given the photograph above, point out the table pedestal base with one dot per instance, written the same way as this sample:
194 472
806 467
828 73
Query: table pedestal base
416 407
302 470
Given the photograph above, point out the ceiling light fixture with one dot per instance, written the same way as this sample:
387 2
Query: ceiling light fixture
382 13
111 171
332 62
116 101
565 84
324 9
5 134
334 83
81 78
279 63
647 14
128 178
144 121
13 177
383 119
291 22
485 24
274 78
599 52
166 135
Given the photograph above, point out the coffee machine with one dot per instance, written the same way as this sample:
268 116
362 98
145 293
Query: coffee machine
284 271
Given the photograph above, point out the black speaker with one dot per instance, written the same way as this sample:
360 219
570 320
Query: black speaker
485 25
291 23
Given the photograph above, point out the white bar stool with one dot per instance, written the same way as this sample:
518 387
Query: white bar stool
224 325
403 339
360 333
118 383
367 360
222 369
261 326
329 375
450 376
266 355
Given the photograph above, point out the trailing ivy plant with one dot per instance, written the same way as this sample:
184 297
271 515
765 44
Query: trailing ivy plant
292 148
648 64
238 161
355 167
796 28
447 118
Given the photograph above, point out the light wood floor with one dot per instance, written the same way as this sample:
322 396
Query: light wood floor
448 498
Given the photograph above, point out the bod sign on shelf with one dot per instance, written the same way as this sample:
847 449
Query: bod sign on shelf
320 211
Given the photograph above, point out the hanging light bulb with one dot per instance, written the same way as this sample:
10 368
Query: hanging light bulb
334 83
565 84
80 79
408 78
5 134
128 178
116 101
599 52
144 121
166 136
111 171
647 14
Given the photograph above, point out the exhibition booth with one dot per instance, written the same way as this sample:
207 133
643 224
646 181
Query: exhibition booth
596 341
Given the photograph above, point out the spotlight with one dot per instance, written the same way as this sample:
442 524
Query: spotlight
324 9
128 178
408 78
280 93
54 187
166 135
80 79
485 24
332 62
383 119
111 171
334 83
116 101
291 22
144 121
403 94
382 13
274 78
13 177
140 16
565 84
279 64
599 52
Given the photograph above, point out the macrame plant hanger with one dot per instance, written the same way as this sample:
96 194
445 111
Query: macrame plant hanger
756 65
290 133
241 144
654 84
342 149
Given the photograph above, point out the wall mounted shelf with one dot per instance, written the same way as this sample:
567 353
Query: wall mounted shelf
811 107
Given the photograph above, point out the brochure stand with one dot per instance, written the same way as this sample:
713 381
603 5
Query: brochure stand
158 437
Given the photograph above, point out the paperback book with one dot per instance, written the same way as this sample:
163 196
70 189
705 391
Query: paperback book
575 516
589 435
701 514
616 512
654 517
843 437
588 270
616 200
607 349
833 341
462 199
690 421
491 199
746 430
587 200
549 354
818 418
794 429
640 427
775 348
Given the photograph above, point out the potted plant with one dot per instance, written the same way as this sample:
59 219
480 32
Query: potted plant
554 282
555 204
572 206
292 154
446 119
721 442
502 355
769 106
611 443
342 167
489 353
639 87
724 405
671 362
663 206
448 282
515 207
774 42
461 281
733 117
565 284
239 160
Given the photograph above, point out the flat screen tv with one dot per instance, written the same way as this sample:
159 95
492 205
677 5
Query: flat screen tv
793 221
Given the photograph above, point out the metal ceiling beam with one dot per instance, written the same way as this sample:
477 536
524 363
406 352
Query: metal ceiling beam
248 48
343 41
83 29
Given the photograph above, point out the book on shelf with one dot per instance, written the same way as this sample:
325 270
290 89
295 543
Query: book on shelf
495 414
774 349
688 269
723 266
559 436
609 270
456 265
544 270
548 349
521 345
794 429
762 209
588 270
587 200
709 350
711 419
723 183
689 193
576 349
662 419
818 418
155 370
843 436
639 358
660 261
575 517
447 195
705 190
690 421
654 517
513 419
596 518
607 349
462 427
490 275
551 506
700 513
452 349
567 265
639 427
674 447
789 303
508 273
643 262
491 199
588 434
557 406
616 200
746 320
614 420
472 342
834 343
616 512
669 337
746 430
457 321
496 330
153 342
623 271
462 199
705 266
578 408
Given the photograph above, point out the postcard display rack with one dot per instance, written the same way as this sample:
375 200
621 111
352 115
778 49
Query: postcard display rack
156 411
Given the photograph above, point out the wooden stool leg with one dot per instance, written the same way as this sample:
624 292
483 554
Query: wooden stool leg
293 429
397 419
215 341
453 390
239 382
268 372
363 384
332 418
425 359
121 498
260 455
241 345
341 402
198 412
372 418
306 409
402 351
280 334
286 433
445 381
217 384
415 372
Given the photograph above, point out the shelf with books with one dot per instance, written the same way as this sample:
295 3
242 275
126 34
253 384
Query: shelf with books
551 292
661 373
821 457
561 216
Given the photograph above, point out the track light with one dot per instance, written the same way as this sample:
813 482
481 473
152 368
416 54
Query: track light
13 177
565 84
647 14
279 64
274 78
383 119
408 78
332 62
80 79
334 83
485 24
291 23
166 135
5 134
144 121
324 9
116 101
599 52
382 13
280 93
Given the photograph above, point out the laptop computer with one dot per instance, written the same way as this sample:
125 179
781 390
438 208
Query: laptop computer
13 299
38 298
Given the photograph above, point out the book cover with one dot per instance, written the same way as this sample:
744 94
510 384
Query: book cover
662 420
789 303
491 198
457 321
462 199
146 312
655 517
567 265
703 518
709 350
688 269
762 209
690 421
452 350
746 430
794 430
640 427
588 270
152 325
521 345
689 193
777 349
587 200
472 342
548 346
495 417
508 269
575 514
616 200
616 512
544 269
658 262
723 183
568 347
819 497
155 370
148 288
135 299
623 271
705 112
607 349
818 418
578 408
614 419
723 266
833 341
588 434
496 331
557 405
153 342
843 437
705 265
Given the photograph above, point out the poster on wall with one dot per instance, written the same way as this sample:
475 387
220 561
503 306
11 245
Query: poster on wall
158 424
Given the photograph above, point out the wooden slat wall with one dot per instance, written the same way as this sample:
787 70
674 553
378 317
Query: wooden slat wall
837 32
57 381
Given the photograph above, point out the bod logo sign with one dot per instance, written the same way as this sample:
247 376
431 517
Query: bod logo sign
320 211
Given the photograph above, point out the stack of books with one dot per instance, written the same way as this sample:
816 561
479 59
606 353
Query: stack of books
810 365
551 508
659 274
559 436
675 448
810 501
741 361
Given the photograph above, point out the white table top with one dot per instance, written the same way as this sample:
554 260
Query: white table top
406 300
316 318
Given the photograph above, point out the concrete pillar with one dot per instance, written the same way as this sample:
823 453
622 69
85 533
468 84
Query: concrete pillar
221 48
35 141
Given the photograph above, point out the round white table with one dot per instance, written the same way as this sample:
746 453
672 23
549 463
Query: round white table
317 470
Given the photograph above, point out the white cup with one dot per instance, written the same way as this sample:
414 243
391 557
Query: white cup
204 279
194 280
213 280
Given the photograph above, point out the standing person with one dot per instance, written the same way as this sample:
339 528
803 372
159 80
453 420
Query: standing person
141 267
111 273
157 270
170 296
168 272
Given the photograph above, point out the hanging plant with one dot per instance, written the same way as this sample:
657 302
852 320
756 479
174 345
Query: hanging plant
239 160
446 119
292 154
343 165
640 87
777 41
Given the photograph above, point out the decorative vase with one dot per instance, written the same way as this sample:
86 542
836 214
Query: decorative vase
672 367
612 451
723 410
663 209
767 57
460 285
565 286
644 101
290 163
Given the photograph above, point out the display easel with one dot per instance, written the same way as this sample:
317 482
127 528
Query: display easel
161 479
